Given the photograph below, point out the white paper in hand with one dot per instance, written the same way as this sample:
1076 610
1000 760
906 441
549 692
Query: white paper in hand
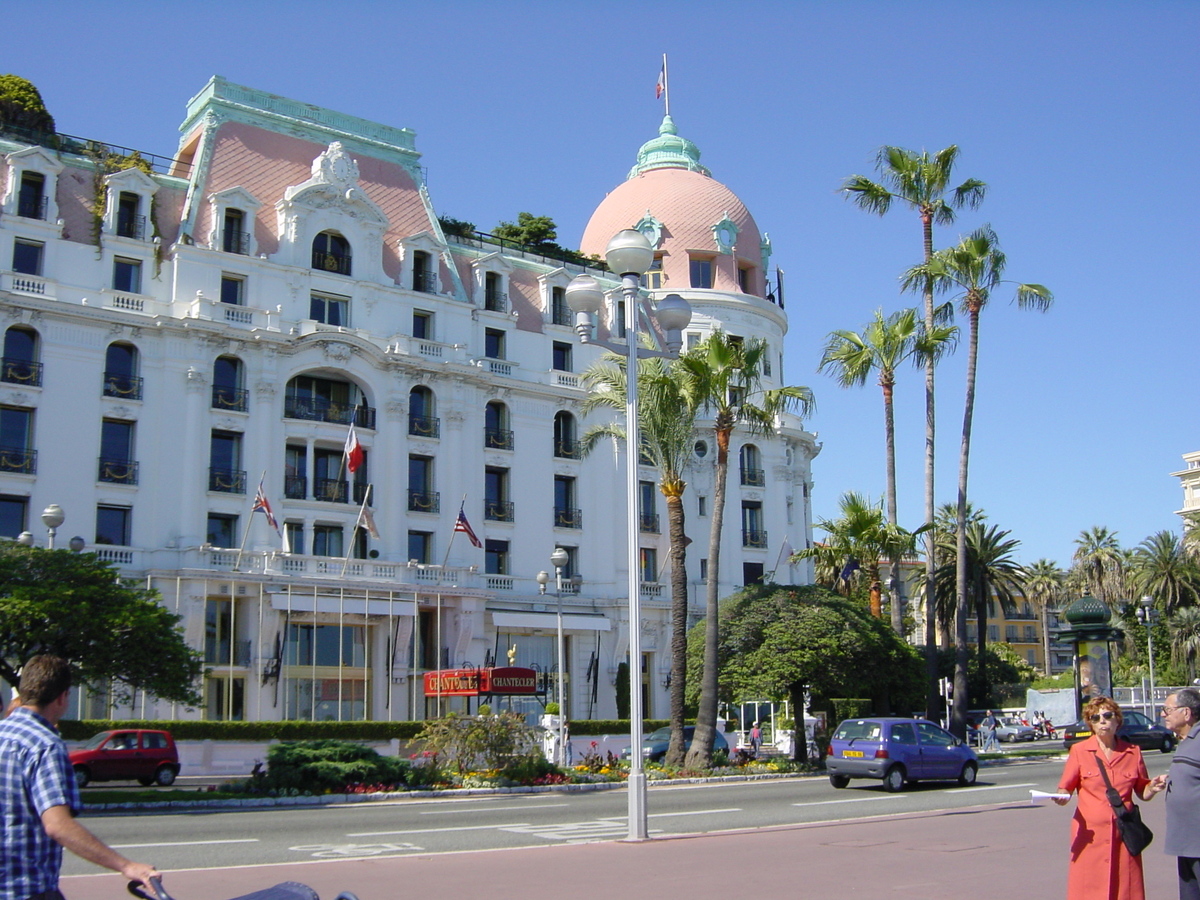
1043 795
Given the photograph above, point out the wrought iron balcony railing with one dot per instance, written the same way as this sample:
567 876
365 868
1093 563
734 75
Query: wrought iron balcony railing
755 538
567 517
331 490
127 387
567 448
18 460
295 487
118 471
226 481
425 281
498 510
32 207
338 263
498 439
648 523
131 226
753 477
423 426
225 397
234 240
318 409
21 371
424 501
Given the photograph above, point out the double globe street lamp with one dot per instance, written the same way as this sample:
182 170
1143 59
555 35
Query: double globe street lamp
630 255
559 559
1146 615
52 517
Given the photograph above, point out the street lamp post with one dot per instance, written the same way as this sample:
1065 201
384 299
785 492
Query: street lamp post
630 255
559 559
1146 614
52 517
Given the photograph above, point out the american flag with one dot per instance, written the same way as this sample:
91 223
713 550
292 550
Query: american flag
261 502
461 524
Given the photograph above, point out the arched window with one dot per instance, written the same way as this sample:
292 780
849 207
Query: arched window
565 444
120 372
496 432
331 253
421 419
20 364
751 463
327 400
227 390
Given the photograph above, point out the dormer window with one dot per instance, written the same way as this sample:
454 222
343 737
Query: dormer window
423 278
31 198
331 253
231 224
234 238
494 297
131 223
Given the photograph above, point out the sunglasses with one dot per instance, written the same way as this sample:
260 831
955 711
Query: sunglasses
1108 714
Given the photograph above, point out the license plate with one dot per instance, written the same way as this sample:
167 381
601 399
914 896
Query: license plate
851 753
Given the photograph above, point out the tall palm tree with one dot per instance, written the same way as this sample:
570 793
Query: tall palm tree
1163 569
723 375
666 427
1099 565
1045 589
1185 638
921 182
973 268
882 346
944 603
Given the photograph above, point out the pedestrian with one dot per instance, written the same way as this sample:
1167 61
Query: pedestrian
1181 713
1100 865
988 726
38 795
755 739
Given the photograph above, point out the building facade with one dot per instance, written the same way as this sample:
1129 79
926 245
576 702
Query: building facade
1189 480
177 335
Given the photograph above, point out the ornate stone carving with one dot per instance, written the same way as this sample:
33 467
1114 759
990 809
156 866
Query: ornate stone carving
335 167
265 389
336 351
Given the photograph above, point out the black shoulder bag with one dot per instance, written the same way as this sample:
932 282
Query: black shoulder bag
1134 832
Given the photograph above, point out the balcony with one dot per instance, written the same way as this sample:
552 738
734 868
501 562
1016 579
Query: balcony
295 487
18 460
424 501
495 301
234 240
130 226
498 439
567 448
425 282
561 314
31 207
331 490
498 510
648 523
337 263
30 284
231 398
127 387
753 477
754 538
118 471
318 409
21 371
423 426
568 517
226 481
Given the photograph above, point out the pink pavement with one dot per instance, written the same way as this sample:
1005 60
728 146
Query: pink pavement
1002 850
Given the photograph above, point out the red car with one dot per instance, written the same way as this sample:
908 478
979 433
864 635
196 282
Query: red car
148 757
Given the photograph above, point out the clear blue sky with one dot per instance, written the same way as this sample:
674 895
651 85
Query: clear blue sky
1081 117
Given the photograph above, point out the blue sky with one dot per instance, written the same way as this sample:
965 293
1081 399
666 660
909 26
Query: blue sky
1081 117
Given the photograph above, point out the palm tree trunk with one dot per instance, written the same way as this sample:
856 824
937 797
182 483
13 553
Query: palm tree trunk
1046 637
959 721
700 754
889 425
932 699
679 611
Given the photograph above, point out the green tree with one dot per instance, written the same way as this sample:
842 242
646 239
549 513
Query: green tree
921 182
532 231
1045 588
973 269
72 605
1099 566
21 106
883 346
724 375
1163 569
1185 638
779 642
666 424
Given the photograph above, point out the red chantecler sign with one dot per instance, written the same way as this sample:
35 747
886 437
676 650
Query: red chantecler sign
473 682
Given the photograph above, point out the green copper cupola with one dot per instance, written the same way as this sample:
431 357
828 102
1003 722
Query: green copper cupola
668 151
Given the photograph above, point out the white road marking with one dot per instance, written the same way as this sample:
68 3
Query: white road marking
849 800
577 832
698 812
342 851
436 830
473 810
185 844
989 787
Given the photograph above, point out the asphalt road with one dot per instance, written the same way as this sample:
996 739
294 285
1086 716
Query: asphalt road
382 829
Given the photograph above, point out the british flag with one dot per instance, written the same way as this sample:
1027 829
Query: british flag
261 502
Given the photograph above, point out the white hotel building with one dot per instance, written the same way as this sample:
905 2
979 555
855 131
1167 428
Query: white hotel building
170 337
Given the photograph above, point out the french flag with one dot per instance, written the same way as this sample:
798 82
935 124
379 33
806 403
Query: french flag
354 451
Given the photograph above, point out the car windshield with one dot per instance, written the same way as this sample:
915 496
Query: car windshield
857 730
661 734
1011 720
96 740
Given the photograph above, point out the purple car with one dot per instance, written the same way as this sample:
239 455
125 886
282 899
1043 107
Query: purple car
898 752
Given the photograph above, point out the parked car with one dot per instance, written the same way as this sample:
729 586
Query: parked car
654 745
898 752
1010 729
148 757
1136 727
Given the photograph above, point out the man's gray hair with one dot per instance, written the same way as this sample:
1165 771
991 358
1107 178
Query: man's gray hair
1189 697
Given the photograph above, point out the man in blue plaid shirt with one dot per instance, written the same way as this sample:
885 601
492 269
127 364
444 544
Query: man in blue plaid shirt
38 795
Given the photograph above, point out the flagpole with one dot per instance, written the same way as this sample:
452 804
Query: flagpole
666 87
354 531
246 534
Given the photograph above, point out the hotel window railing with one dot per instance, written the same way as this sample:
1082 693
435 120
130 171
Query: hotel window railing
225 397
338 263
753 477
423 426
424 501
567 517
32 207
127 387
131 227
226 481
498 439
295 487
331 490
21 371
19 460
424 281
118 471
648 523
318 409
754 537
495 301
234 240
498 510
567 448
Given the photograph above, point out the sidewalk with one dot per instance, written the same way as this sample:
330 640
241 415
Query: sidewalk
1020 848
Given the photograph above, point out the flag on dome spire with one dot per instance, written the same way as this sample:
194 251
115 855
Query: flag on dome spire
661 91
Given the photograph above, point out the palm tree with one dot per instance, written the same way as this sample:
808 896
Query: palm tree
1185 638
1163 569
974 267
666 426
921 182
883 345
1099 565
724 375
1045 589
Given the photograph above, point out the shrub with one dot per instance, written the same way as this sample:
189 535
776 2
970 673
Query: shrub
328 766
470 743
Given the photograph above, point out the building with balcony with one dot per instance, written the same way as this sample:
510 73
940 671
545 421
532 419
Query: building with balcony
1189 480
175 334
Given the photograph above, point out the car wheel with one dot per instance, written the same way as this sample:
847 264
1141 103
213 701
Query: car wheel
1009 738
82 776
893 781
165 776
839 781
966 777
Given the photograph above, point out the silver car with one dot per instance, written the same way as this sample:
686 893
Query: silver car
1010 729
